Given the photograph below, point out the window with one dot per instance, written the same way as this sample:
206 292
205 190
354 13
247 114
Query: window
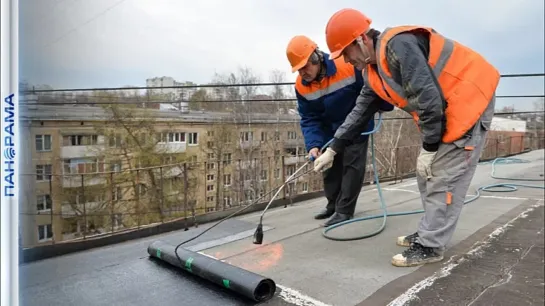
115 141
173 184
292 135
290 170
142 189
291 188
43 143
115 166
193 138
209 187
210 144
249 195
264 175
83 165
45 232
118 220
276 173
43 202
209 199
174 137
227 179
227 201
304 187
80 140
210 177
277 136
43 172
211 156
117 194
246 136
210 133
210 166
263 136
291 151
227 158
169 159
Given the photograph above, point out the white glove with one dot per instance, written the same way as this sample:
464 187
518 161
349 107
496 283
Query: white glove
423 163
325 161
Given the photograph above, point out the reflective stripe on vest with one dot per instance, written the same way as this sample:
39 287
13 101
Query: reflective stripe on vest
468 82
344 76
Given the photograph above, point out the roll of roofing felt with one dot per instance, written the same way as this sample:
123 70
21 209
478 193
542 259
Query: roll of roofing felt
251 285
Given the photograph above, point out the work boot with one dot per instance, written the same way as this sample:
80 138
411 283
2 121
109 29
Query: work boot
415 255
337 218
324 213
406 241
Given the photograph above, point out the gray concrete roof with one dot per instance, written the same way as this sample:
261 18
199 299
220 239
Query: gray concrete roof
94 113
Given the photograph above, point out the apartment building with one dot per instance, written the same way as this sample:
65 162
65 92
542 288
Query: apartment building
88 171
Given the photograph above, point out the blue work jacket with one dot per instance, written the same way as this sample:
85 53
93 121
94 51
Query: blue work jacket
324 105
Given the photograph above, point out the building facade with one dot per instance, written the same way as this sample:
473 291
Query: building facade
90 170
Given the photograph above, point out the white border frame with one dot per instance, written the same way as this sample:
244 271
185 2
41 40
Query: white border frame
9 209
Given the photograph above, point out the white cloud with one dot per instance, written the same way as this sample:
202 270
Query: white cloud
190 40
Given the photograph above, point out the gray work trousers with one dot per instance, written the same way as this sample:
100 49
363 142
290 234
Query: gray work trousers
443 195
344 180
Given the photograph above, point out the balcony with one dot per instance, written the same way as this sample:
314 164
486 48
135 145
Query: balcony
74 181
293 143
169 171
68 210
245 145
246 164
81 151
171 147
293 160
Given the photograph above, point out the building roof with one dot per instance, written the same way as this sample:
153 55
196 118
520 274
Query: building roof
508 124
311 270
94 113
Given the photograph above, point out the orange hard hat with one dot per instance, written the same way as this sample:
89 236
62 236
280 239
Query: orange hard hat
343 28
299 50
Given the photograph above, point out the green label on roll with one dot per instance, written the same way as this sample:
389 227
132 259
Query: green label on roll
226 283
158 253
188 264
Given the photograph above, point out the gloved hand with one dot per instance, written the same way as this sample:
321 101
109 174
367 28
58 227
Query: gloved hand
325 161
424 162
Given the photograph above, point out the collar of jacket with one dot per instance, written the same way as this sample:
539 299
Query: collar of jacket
330 68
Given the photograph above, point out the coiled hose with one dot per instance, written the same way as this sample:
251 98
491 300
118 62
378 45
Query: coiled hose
500 187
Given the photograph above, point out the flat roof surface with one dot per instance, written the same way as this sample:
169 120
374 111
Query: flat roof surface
307 268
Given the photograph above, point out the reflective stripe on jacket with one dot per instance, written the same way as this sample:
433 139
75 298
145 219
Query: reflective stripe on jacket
324 105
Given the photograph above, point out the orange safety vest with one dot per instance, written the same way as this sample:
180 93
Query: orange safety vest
468 82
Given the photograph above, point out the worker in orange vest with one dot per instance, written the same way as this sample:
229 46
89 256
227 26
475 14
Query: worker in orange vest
326 92
447 88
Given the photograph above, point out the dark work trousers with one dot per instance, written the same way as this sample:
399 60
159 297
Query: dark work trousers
344 180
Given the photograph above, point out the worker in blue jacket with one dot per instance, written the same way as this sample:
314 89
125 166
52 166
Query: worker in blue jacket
326 92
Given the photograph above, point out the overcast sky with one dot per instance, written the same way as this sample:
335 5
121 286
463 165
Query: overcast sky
112 43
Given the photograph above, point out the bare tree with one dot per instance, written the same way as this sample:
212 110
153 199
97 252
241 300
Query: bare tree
220 142
197 101
140 153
